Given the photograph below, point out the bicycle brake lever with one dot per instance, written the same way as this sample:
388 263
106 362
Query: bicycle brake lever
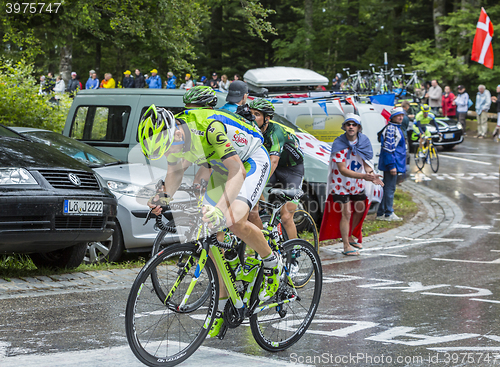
148 217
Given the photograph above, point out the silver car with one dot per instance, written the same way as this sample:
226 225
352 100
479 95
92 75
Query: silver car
132 184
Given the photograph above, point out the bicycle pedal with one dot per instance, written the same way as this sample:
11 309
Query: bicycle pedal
222 332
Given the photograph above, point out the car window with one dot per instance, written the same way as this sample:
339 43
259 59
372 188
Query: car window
100 123
83 152
174 110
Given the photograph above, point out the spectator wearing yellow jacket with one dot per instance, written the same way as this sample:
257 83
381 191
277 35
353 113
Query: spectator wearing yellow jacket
108 81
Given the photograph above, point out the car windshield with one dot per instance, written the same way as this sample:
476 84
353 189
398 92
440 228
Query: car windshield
85 153
4 132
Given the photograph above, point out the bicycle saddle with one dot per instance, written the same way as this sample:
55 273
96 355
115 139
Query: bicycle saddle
289 194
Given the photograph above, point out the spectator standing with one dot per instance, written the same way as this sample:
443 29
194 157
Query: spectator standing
224 83
349 168
171 81
483 103
203 81
93 82
139 79
236 96
462 103
214 82
73 84
188 84
406 118
392 160
449 109
496 100
154 81
128 81
41 89
60 86
108 82
50 83
434 94
236 77
425 91
336 82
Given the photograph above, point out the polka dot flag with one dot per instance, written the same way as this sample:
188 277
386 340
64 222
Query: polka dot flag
314 147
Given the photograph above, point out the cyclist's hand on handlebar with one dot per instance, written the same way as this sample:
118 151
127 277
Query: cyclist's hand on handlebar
160 200
213 215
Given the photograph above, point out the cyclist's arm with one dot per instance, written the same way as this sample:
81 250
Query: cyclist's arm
174 176
434 122
202 174
277 143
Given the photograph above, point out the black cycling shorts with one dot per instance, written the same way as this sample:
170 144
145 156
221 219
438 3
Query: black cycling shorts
288 177
346 198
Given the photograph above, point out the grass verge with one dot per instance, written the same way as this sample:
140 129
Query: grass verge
21 266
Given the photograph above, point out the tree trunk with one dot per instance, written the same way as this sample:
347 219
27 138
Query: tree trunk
97 61
66 57
352 53
438 11
308 17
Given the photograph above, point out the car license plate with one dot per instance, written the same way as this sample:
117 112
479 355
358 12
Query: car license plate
85 207
449 136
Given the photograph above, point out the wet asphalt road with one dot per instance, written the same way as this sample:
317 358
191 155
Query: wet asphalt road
436 302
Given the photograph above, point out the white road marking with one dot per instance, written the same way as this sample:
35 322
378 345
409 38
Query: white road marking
465 159
485 300
393 255
497 261
472 349
463 226
493 232
480 154
389 336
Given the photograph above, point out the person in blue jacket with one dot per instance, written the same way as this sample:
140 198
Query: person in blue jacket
93 82
154 81
171 81
392 161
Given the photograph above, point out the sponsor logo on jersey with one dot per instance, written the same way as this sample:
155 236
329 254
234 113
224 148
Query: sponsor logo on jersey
261 180
197 132
240 139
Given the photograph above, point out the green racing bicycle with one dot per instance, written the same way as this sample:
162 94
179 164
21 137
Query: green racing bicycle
173 300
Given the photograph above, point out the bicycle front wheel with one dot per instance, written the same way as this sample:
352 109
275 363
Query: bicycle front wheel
158 333
419 158
277 328
434 158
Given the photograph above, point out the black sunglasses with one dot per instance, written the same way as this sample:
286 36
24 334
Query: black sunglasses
351 124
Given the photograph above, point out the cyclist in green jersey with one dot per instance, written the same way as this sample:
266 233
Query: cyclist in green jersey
232 149
422 119
287 160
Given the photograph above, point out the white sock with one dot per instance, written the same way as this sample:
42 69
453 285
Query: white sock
270 261
222 303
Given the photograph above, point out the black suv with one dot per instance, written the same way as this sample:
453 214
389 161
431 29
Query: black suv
51 205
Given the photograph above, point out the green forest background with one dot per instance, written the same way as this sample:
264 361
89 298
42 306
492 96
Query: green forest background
230 36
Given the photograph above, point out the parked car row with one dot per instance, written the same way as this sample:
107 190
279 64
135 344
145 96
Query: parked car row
51 205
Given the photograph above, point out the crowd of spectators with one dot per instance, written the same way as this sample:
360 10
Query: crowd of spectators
48 84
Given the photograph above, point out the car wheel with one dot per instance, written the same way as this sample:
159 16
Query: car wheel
107 250
448 147
69 257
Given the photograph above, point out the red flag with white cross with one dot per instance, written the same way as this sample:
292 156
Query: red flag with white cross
482 50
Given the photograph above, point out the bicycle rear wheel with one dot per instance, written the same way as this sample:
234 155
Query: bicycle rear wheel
419 158
277 328
160 334
306 228
434 158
